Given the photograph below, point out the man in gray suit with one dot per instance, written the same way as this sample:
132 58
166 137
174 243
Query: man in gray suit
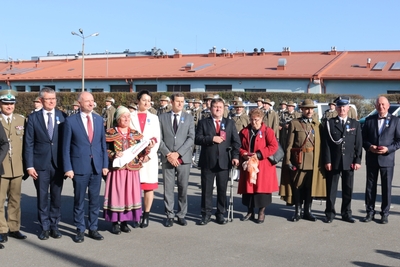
177 138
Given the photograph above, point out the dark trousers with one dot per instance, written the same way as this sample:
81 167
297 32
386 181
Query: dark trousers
92 183
49 217
207 181
332 181
386 184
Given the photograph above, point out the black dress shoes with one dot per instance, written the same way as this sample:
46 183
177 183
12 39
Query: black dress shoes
125 228
145 222
204 220
3 238
328 220
95 235
221 219
384 219
55 234
44 235
80 237
135 225
181 221
1 246
249 216
116 229
17 235
169 222
348 219
368 218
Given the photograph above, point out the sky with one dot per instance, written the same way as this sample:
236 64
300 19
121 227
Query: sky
32 28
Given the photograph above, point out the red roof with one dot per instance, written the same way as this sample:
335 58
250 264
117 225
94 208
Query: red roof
300 65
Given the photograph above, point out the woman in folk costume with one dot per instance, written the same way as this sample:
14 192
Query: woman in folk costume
257 181
122 196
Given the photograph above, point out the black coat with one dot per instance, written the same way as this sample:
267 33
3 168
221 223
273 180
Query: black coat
349 151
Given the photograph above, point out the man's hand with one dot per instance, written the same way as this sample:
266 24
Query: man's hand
172 158
69 174
235 162
218 139
328 166
356 166
32 172
105 171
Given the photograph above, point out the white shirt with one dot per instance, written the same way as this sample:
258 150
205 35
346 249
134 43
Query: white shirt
46 117
381 123
84 120
178 118
6 117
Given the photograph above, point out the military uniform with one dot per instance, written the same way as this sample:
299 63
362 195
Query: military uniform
302 177
10 186
163 109
329 114
241 121
284 121
152 110
272 121
108 116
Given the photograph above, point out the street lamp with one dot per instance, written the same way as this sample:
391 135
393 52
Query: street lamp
83 52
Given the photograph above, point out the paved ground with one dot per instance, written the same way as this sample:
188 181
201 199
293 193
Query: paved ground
277 242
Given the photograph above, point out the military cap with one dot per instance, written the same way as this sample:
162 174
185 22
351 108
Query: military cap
8 96
308 103
342 101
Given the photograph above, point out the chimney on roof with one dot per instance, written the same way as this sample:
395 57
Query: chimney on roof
213 52
368 63
282 64
333 51
286 51
189 66
262 52
177 53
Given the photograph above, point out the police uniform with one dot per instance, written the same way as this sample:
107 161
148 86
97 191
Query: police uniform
342 146
10 186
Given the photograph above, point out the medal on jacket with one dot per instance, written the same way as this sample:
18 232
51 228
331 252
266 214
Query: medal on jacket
57 120
222 127
347 128
182 119
148 121
259 131
387 123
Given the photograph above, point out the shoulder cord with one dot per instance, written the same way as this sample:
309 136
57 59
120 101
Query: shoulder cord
337 142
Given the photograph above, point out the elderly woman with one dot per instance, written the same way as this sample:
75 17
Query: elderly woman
258 143
122 196
147 124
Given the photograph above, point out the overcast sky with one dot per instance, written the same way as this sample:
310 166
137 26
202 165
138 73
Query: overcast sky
32 28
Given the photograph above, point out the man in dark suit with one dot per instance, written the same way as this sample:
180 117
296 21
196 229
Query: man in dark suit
43 160
177 139
220 144
381 139
342 151
85 160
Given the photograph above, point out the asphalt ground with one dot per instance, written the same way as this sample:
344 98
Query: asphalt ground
276 242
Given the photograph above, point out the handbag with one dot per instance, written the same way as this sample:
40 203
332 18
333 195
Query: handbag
277 156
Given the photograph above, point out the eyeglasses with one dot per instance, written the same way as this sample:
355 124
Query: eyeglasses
49 99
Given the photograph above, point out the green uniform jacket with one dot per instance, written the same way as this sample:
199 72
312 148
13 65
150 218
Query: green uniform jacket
12 164
310 161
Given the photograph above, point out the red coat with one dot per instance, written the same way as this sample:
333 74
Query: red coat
266 143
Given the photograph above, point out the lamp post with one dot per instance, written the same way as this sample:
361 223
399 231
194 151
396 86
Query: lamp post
83 52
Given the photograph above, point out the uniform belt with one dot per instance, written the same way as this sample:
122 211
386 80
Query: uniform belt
307 149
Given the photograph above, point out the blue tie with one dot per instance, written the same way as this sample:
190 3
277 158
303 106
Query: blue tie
50 127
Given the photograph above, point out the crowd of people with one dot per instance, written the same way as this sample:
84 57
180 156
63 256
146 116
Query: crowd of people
123 147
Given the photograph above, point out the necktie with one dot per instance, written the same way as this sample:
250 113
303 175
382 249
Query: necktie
89 129
175 124
217 126
50 127
8 121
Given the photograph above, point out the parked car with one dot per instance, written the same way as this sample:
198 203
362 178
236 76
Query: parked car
394 109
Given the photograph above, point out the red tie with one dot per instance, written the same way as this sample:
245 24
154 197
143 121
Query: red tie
89 129
217 126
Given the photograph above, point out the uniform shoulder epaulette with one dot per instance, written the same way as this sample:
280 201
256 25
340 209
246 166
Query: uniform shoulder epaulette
22 116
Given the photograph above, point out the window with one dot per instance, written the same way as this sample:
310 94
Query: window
148 87
178 88
393 91
51 86
97 90
120 88
20 88
218 87
65 90
35 88
255 90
